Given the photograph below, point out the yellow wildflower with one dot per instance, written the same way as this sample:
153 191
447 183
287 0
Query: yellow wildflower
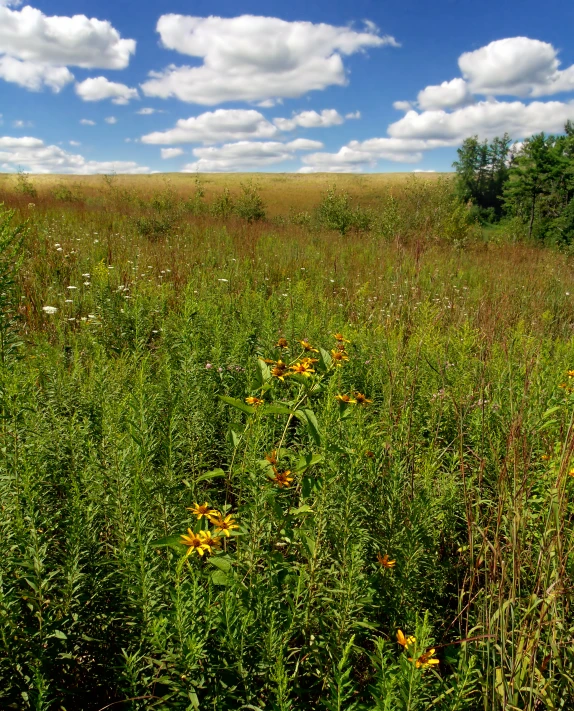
303 368
272 457
255 401
307 346
362 399
385 562
405 642
426 660
195 542
224 525
282 343
339 356
339 337
211 541
346 399
201 510
571 373
283 479
279 370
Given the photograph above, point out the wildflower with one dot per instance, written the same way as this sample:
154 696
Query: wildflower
211 541
280 370
255 401
369 453
385 562
272 457
307 347
303 368
49 309
545 457
405 642
339 356
362 399
283 479
339 337
571 472
201 510
195 542
346 399
223 524
571 373
426 660
282 343
208 366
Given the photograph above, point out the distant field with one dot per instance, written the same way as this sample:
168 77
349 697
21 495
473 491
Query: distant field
287 448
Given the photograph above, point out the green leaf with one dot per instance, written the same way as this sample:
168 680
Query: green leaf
306 461
219 577
173 541
238 404
313 426
325 360
214 474
221 562
301 510
233 438
277 410
59 635
262 374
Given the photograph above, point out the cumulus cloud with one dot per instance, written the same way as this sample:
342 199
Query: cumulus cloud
516 66
249 58
34 76
246 155
448 95
486 118
215 127
149 112
310 119
402 105
171 152
37 157
87 122
100 88
111 120
353 115
78 41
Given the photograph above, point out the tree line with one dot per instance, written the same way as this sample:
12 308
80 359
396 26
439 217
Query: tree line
531 182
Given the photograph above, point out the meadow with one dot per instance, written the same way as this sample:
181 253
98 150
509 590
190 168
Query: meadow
269 443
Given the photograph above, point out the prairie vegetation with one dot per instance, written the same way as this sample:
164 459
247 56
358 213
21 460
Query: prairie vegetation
357 410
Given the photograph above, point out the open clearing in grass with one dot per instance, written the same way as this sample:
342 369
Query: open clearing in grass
436 517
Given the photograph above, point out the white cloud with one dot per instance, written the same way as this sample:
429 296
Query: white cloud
111 120
246 155
87 122
34 76
75 143
22 124
35 156
517 66
402 105
448 95
171 152
251 58
55 41
214 127
353 115
100 88
149 112
486 118
310 119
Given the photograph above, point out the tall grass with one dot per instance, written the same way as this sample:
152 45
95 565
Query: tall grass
113 426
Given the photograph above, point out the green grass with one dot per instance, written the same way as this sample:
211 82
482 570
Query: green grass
113 423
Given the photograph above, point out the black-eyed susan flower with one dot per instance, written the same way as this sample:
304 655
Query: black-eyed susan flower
339 337
201 510
283 479
254 401
426 660
195 542
405 641
223 524
303 368
362 399
385 562
280 370
571 373
282 343
211 541
307 347
345 399
339 357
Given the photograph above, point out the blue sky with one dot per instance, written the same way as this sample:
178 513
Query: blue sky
366 86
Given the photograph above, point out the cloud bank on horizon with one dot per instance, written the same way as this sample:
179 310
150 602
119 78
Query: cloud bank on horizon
251 79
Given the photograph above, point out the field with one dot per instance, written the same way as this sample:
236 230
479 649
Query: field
376 394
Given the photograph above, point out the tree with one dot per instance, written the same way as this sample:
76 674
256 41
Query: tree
482 170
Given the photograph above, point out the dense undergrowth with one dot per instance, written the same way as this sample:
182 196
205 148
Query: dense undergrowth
412 475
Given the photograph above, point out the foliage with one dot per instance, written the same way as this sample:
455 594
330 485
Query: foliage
25 186
249 204
482 171
411 471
